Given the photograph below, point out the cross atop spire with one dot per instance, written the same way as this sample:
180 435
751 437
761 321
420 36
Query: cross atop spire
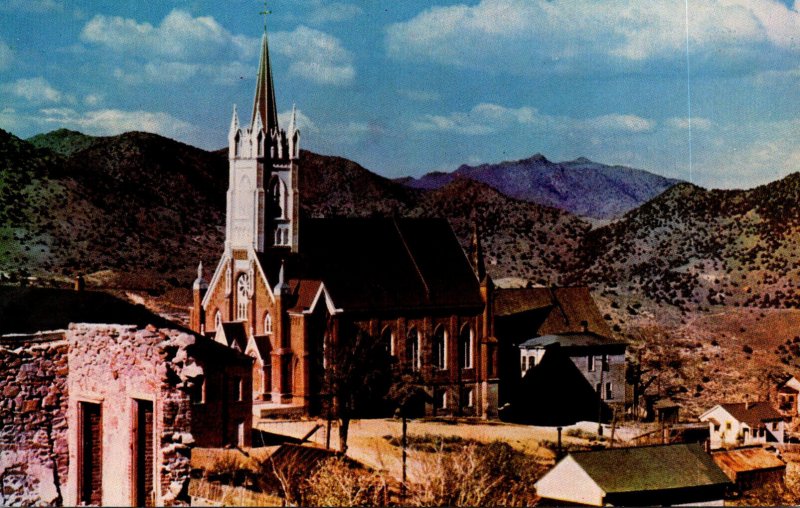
265 13
264 101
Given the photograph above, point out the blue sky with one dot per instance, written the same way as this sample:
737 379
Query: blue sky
413 86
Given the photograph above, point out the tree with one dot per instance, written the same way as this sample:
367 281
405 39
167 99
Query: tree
357 377
408 395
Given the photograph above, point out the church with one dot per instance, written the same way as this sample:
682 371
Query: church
288 288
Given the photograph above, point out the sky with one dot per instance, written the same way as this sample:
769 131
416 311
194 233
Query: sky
702 90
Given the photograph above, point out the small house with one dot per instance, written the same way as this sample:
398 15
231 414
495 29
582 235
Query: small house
600 359
788 399
744 424
676 474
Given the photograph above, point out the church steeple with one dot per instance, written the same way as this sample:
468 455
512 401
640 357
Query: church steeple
264 101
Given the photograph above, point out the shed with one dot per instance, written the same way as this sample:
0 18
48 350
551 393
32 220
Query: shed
649 475
750 467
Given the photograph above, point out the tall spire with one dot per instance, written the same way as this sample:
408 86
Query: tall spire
264 101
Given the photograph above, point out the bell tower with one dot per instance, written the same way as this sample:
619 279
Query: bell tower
263 199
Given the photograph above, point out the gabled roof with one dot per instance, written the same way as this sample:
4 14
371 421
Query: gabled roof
30 310
263 347
747 459
380 264
754 413
651 468
235 335
568 340
561 310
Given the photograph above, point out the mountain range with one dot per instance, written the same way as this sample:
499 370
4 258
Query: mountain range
140 210
581 187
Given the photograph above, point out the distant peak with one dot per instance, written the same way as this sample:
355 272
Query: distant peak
582 160
537 158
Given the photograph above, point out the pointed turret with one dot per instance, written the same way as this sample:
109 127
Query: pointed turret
477 255
234 123
281 286
294 136
264 103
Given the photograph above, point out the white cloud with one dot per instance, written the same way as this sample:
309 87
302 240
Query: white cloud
93 99
106 122
316 56
34 90
179 37
304 123
522 36
333 12
488 118
6 55
695 123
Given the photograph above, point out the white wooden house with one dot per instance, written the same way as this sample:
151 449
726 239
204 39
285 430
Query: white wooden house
743 424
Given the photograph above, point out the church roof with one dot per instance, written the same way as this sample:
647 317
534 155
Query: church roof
559 310
380 264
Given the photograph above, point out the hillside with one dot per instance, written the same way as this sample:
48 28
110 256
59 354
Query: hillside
139 210
581 187
691 245
135 204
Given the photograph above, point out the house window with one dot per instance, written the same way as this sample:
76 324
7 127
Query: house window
242 290
604 362
387 339
412 348
440 348
218 321
727 425
267 324
465 347
609 391
524 367
590 364
240 389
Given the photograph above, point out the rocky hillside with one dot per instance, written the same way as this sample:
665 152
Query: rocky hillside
691 245
139 210
581 187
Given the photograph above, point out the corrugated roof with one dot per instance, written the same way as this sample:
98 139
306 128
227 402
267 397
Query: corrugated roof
375 264
747 459
651 468
754 413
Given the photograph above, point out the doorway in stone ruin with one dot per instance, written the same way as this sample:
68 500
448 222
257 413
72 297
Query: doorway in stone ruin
90 454
142 456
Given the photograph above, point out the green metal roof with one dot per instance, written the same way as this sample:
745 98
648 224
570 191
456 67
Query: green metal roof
649 468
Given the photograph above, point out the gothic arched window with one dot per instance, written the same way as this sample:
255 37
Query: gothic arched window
267 324
242 294
412 348
439 352
277 193
465 347
387 339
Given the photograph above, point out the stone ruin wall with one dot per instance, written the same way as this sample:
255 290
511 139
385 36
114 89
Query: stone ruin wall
119 364
33 420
